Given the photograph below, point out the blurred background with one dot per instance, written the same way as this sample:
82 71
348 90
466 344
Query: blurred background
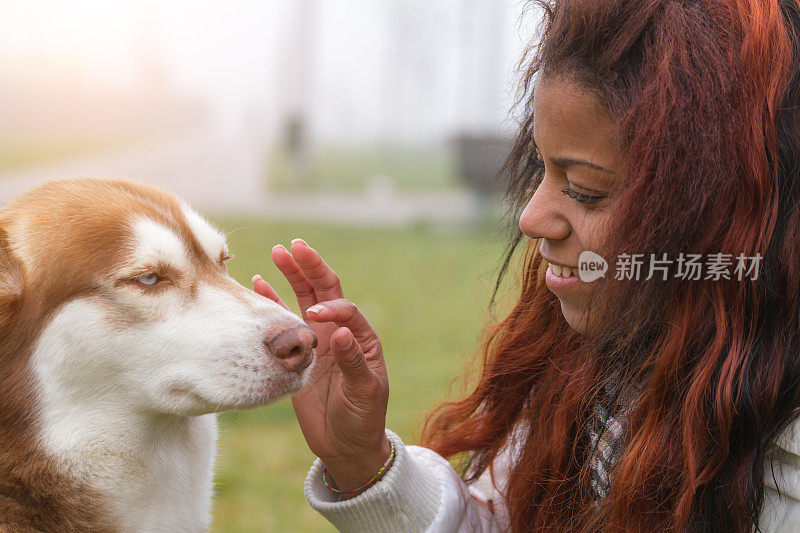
372 128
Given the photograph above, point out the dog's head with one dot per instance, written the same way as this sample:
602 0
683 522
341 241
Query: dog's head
111 289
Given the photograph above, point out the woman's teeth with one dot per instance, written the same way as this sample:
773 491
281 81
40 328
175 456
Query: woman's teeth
564 272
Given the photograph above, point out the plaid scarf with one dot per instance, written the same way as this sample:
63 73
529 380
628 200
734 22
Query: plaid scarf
607 440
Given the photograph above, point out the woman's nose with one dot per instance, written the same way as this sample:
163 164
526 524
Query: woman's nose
543 217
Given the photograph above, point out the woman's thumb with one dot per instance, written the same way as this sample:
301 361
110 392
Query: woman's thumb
349 356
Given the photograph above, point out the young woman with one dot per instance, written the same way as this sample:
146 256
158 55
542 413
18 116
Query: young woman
656 398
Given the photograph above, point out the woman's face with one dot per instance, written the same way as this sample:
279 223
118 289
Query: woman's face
572 208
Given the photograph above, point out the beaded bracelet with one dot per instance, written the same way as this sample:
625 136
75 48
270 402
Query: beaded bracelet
368 483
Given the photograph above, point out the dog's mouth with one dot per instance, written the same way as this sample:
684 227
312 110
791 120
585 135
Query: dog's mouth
183 391
191 399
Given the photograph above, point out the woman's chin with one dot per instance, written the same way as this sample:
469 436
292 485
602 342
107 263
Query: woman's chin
575 317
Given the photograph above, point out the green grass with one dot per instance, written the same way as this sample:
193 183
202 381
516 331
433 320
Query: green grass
350 168
426 295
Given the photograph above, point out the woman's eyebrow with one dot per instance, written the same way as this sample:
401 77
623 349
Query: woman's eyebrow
566 162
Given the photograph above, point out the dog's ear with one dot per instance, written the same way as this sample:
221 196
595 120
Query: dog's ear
11 280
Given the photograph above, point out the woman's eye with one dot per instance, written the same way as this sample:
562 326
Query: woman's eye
579 197
148 279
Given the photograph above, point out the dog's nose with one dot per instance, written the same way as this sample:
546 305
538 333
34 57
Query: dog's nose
293 347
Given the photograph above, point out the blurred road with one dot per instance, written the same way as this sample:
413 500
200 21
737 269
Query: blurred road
207 170
225 176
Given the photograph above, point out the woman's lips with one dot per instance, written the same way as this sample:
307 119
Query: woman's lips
557 283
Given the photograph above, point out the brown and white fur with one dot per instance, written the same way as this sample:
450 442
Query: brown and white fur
109 384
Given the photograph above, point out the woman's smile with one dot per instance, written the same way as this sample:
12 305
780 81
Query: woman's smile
560 279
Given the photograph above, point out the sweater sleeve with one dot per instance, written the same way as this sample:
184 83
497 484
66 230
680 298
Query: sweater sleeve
421 492
781 510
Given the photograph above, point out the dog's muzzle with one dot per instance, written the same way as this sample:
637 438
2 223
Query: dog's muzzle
293 347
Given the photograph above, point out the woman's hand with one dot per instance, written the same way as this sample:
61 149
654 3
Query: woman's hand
342 410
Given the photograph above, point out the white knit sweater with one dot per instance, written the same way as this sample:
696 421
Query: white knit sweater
421 492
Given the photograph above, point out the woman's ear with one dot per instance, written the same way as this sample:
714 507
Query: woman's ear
12 280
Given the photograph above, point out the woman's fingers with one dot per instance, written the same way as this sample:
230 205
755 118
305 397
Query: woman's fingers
344 313
311 279
265 289
350 359
303 290
322 278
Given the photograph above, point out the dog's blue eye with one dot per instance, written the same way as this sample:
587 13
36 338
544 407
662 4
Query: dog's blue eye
149 279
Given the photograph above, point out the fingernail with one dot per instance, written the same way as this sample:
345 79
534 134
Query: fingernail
344 342
278 246
315 309
300 241
256 278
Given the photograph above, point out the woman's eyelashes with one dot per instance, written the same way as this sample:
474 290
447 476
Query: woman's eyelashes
580 197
